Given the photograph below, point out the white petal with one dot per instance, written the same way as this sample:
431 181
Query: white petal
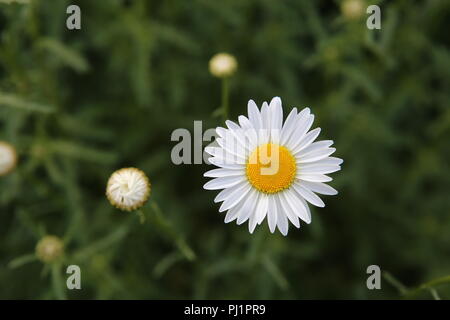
329 161
232 146
272 214
315 146
254 115
249 206
316 155
237 133
332 161
304 112
301 209
308 212
235 197
265 132
261 209
221 172
303 125
307 140
252 222
221 132
249 132
245 123
276 118
282 221
312 168
319 187
222 154
302 116
211 150
233 213
288 127
221 163
308 195
223 182
232 125
227 159
314 177
224 194
288 210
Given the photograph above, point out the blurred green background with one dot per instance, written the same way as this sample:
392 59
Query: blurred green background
80 104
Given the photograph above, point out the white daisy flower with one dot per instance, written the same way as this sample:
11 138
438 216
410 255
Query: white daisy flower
270 169
128 189
222 65
8 158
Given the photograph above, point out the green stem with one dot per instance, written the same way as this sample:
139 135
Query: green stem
395 283
409 293
168 229
22 260
275 272
141 215
225 99
435 294
429 286
57 282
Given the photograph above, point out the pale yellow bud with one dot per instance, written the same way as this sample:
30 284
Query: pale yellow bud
8 158
49 249
352 9
222 65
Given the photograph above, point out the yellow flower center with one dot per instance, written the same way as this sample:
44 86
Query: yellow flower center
271 168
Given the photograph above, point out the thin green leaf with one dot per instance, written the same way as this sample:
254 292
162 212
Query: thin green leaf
15 101
22 260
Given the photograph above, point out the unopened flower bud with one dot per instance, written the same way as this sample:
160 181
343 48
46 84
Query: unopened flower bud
352 9
49 249
8 158
222 65
128 189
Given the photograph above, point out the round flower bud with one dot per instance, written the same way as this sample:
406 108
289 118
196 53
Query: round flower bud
8 158
128 189
49 249
352 9
222 65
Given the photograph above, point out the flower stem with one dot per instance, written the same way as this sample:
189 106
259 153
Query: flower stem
57 282
141 215
168 229
22 260
402 289
429 286
275 272
435 294
225 98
